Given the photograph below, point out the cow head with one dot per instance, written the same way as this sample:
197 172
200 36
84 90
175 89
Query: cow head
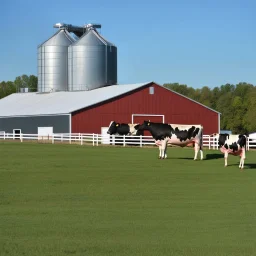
113 128
145 125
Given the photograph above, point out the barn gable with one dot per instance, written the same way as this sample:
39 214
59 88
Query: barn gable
150 101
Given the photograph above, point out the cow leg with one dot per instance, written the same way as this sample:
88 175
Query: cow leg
160 151
201 153
163 148
159 147
226 158
241 165
196 148
165 154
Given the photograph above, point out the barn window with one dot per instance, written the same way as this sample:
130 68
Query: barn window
151 90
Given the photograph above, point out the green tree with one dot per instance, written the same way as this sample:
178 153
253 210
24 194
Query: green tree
236 103
26 81
180 88
206 96
250 116
6 88
223 106
236 115
32 83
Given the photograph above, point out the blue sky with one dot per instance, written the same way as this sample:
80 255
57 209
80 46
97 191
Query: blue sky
198 43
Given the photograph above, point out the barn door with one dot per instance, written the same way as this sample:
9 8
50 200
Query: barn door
137 118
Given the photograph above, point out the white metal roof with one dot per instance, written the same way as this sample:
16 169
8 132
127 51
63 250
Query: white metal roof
55 103
31 104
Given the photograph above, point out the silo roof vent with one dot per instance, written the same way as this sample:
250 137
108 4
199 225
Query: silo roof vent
77 30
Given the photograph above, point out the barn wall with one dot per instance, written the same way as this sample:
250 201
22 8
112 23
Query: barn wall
30 124
176 109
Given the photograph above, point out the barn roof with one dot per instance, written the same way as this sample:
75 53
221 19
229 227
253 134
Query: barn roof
33 104
56 103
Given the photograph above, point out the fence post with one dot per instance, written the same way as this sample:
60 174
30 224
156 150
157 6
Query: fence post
81 139
53 138
140 140
70 138
93 139
97 139
113 139
124 140
4 135
21 138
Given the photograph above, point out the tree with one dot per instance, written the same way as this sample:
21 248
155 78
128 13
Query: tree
25 81
206 96
223 106
250 116
6 88
236 103
237 114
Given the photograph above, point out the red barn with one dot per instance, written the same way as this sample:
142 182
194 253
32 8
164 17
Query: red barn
89 111
149 101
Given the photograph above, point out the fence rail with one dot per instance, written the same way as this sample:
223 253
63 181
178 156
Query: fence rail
98 139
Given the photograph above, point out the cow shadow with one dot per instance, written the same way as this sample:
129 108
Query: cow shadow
213 156
183 158
207 157
250 165
246 165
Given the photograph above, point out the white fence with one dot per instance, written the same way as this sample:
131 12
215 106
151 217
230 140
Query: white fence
98 139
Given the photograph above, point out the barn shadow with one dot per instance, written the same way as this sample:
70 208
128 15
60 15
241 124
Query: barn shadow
213 156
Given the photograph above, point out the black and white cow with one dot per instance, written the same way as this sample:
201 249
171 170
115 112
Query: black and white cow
175 134
232 144
123 129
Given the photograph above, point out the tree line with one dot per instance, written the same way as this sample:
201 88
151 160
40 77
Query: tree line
20 82
236 103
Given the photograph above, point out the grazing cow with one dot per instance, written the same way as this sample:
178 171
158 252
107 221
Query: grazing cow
174 134
232 144
123 129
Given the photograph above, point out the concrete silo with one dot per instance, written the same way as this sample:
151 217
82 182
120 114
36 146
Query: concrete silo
53 62
92 62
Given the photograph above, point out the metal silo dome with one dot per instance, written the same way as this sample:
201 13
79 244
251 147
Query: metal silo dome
53 62
92 62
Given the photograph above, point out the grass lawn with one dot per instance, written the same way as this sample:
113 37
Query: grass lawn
82 200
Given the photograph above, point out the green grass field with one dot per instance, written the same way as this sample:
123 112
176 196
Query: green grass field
81 200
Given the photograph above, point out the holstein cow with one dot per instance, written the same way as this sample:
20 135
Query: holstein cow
175 134
232 144
123 129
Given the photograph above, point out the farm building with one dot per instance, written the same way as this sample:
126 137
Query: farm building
77 91
89 111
